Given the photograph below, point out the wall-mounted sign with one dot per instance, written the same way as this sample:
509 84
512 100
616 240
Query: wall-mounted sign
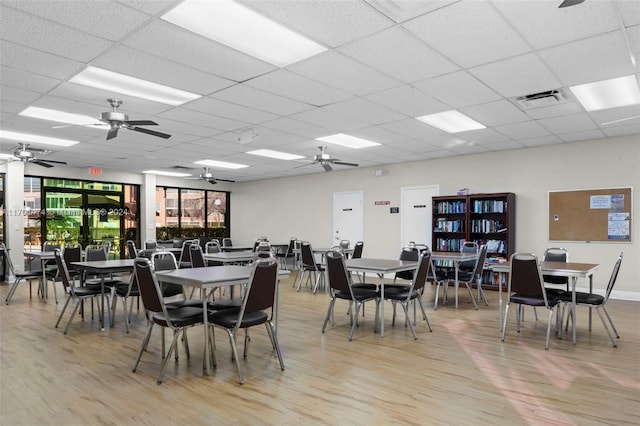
382 203
347 210
394 210
420 206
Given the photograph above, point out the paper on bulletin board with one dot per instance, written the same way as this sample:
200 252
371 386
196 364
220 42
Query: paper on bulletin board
618 227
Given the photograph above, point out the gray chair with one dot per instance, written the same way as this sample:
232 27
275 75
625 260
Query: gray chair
19 276
526 287
257 308
340 287
597 301
310 267
213 246
226 242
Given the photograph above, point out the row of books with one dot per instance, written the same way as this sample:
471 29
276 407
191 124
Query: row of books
495 246
487 226
489 206
451 207
448 244
443 225
494 278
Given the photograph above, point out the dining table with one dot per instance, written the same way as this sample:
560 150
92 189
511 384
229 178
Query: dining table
380 267
212 277
230 256
573 270
102 268
455 257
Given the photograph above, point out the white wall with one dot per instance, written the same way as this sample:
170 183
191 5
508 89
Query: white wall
301 206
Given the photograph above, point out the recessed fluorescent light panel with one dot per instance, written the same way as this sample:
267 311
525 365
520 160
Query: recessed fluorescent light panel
221 164
240 28
347 140
451 121
26 137
120 83
162 173
59 116
606 94
275 154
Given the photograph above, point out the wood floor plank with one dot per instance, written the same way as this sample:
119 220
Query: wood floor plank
461 373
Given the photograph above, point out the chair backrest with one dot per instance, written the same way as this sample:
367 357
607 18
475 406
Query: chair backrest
226 242
50 246
556 254
339 277
468 247
150 244
72 253
212 246
185 256
148 286
421 273
7 258
479 266
195 254
307 255
357 250
95 252
525 277
292 245
132 251
63 271
261 289
345 244
408 253
163 261
614 276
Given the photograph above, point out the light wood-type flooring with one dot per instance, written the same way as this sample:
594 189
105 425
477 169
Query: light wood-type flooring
460 374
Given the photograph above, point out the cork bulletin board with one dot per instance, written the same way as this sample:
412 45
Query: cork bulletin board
591 215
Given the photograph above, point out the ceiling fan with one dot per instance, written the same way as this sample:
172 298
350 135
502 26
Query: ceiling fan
28 155
117 120
568 3
208 177
326 161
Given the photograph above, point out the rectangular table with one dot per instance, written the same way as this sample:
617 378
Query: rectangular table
456 257
237 248
573 270
230 257
210 278
380 267
102 267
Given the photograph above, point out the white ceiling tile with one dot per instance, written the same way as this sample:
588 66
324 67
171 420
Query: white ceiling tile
103 18
407 9
378 134
633 34
561 25
483 136
400 54
469 33
49 36
622 116
495 113
207 120
18 95
179 45
333 121
501 146
333 23
9 108
229 110
524 130
633 129
629 11
413 129
541 140
568 123
339 71
297 87
242 94
365 111
522 75
458 89
408 100
151 7
26 80
139 64
296 127
566 108
594 59
21 57
580 136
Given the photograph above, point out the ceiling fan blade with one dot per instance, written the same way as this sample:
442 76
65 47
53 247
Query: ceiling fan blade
225 180
568 3
343 163
41 163
112 133
141 123
305 164
326 167
151 132
53 161
212 181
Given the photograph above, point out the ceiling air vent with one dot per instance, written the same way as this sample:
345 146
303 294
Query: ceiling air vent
542 99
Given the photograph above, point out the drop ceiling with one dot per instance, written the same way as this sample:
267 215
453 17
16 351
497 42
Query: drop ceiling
382 68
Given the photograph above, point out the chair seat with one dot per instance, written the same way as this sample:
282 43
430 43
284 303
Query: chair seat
582 298
533 300
180 316
86 291
360 294
122 291
368 286
197 303
27 274
556 292
401 294
229 318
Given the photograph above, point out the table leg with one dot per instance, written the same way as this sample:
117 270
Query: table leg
205 320
44 279
381 305
500 306
102 319
573 306
590 292
455 265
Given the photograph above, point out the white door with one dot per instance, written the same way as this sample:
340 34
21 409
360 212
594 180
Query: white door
415 214
347 217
